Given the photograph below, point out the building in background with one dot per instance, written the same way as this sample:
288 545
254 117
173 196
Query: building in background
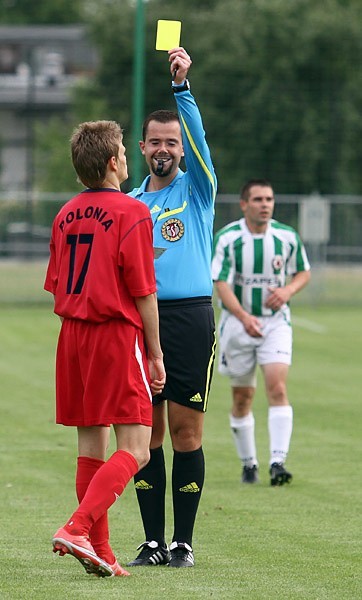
39 65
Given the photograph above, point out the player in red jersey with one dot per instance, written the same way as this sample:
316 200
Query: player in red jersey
102 276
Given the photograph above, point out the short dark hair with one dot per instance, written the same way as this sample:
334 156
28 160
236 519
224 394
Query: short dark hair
161 116
245 190
93 143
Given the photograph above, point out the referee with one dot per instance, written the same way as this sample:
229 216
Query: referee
182 209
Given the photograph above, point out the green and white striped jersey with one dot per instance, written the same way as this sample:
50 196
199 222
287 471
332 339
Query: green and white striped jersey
250 263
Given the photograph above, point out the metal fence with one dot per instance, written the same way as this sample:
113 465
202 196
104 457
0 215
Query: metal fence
330 227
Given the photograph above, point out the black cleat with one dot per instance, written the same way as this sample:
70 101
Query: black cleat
279 475
151 555
181 555
250 475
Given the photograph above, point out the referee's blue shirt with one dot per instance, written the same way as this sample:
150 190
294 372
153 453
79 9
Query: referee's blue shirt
183 214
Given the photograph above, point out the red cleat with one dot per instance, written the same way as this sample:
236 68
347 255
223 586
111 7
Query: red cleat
80 547
119 571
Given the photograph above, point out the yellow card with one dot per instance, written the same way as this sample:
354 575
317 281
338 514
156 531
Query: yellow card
168 35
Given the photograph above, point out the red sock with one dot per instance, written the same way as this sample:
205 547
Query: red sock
99 533
104 489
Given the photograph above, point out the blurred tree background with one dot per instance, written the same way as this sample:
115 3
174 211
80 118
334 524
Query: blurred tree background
278 82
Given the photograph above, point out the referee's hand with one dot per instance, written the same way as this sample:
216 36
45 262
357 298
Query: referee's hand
180 63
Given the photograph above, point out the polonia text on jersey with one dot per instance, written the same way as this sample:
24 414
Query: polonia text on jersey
90 212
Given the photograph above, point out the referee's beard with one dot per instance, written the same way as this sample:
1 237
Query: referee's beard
162 166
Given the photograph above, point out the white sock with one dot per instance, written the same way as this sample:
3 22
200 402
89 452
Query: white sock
280 425
243 430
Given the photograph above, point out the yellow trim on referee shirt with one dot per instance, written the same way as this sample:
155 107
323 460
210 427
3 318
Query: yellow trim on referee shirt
201 160
169 213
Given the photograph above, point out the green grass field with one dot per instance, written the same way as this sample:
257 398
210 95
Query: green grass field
299 542
21 282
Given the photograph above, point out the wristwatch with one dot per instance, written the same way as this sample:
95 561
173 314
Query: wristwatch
181 87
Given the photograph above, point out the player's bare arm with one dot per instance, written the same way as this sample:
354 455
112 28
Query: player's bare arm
251 324
180 63
282 295
147 307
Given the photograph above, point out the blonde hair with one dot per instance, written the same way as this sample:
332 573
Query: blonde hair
93 143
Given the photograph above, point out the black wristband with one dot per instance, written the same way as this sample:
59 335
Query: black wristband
182 87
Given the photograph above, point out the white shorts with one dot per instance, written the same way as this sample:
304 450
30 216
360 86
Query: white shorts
240 353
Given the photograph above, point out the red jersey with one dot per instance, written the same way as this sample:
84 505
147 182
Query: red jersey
101 257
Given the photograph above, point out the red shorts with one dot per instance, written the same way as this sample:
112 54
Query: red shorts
102 374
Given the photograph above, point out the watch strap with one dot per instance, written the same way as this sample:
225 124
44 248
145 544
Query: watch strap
181 87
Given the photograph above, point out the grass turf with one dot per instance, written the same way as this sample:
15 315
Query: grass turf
300 541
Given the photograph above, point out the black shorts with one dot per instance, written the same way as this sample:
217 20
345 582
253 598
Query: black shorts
187 332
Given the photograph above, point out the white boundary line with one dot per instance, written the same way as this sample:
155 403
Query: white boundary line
309 325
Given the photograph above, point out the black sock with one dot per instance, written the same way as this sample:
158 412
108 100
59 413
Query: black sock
188 473
150 484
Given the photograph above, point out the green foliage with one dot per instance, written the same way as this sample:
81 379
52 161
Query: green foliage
280 89
279 83
41 12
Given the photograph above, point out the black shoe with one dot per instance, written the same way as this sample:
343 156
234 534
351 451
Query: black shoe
181 555
279 475
151 555
250 475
